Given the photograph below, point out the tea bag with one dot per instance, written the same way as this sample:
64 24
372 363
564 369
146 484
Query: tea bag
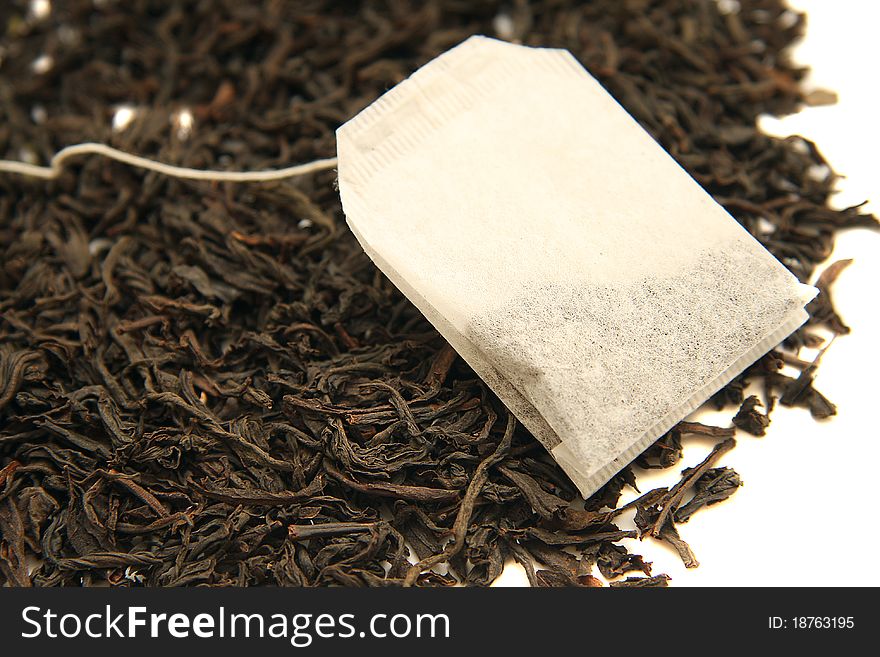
586 277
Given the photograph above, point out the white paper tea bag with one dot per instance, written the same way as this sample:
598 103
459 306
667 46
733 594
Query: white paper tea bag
586 277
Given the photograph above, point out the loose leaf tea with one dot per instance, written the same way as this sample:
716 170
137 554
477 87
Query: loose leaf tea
749 419
211 384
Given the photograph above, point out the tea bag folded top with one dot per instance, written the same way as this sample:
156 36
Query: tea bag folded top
584 275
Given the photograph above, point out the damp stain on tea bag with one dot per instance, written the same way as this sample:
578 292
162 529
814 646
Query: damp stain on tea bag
595 287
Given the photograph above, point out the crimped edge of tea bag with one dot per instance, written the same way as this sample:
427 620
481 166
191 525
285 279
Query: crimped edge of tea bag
438 102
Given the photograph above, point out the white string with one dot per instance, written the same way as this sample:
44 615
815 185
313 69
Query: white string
56 165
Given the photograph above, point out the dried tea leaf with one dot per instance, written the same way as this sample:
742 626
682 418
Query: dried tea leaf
656 581
749 419
822 308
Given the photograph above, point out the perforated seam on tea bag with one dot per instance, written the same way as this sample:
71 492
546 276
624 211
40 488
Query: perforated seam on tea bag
579 270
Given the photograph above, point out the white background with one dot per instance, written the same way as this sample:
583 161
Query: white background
806 515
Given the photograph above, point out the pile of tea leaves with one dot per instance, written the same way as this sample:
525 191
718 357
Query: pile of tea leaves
212 384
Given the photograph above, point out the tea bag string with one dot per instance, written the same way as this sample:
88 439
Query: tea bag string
56 166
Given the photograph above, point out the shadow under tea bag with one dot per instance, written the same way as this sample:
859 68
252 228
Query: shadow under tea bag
584 275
